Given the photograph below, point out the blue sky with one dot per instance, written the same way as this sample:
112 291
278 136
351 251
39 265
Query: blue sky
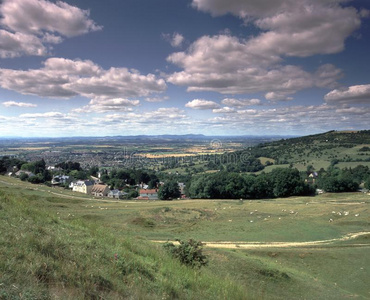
215 67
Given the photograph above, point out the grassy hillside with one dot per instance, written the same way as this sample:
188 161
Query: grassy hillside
55 245
43 256
349 148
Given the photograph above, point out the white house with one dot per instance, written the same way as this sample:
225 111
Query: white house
83 186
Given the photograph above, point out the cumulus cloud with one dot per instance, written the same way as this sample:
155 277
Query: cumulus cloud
37 16
17 44
240 102
351 95
102 105
224 64
202 104
294 119
18 104
224 110
64 78
166 115
176 39
29 26
297 28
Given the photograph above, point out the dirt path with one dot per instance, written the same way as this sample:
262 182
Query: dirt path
258 245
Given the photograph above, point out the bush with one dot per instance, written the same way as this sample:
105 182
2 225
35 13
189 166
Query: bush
189 253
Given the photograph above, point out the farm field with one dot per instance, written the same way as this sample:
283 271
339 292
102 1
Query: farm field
300 247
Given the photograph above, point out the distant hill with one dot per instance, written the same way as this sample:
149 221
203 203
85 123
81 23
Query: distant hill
319 150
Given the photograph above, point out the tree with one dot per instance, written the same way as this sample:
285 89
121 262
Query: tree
287 182
367 183
169 190
93 171
23 176
262 187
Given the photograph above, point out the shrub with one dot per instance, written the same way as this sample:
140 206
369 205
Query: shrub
189 253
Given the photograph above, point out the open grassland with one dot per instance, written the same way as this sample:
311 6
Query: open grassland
60 245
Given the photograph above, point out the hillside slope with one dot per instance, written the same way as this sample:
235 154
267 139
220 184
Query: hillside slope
318 150
44 257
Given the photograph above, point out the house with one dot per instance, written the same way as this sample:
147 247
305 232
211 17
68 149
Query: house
53 168
96 179
82 186
182 187
100 190
117 194
312 178
60 179
148 194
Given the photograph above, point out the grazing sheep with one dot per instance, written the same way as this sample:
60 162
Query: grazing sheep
330 220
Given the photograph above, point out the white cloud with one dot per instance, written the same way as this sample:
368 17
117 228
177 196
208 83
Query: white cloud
224 110
275 96
353 94
55 115
156 99
64 78
306 30
37 16
353 111
202 104
298 28
237 76
118 82
148 119
241 102
102 105
17 44
176 39
29 26
292 119
18 104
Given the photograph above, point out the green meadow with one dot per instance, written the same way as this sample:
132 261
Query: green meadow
56 244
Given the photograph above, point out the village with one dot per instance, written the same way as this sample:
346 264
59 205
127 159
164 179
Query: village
97 188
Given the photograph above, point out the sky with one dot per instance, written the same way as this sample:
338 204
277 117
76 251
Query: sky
212 67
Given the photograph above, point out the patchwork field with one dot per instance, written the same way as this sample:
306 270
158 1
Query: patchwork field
301 247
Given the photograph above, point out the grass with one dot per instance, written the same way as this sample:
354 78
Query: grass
61 247
43 256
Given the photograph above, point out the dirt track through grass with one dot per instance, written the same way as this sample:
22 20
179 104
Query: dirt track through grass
257 245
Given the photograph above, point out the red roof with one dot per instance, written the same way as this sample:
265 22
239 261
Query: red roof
152 191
